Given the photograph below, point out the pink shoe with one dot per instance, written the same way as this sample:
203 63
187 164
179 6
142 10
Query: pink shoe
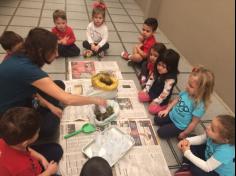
143 96
156 108
125 55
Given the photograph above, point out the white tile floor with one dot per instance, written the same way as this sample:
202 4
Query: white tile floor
124 19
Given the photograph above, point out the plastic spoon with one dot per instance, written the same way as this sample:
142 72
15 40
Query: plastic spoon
86 128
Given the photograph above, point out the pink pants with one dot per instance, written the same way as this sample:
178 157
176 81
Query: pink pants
152 108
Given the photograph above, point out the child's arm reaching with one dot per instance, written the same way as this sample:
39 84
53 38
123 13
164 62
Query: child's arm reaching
190 128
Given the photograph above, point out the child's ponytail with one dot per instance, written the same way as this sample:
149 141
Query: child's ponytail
99 7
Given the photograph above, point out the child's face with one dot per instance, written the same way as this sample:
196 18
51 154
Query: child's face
161 68
192 85
147 31
213 131
98 19
60 24
153 56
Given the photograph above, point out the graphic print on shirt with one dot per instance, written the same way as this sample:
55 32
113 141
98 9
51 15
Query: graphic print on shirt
96 36
182 107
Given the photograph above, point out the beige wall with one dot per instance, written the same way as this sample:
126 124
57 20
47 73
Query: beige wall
203 31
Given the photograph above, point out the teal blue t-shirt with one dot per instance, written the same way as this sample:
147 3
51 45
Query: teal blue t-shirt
182 113
225 154
17 73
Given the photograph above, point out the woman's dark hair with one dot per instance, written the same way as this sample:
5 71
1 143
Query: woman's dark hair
39 44
96 166
171 59
228 127
19 124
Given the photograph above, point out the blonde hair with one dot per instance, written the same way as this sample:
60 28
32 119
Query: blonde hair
59 14
99 7
206 82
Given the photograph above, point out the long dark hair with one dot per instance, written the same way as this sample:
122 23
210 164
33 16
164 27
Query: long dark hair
38 45
171 59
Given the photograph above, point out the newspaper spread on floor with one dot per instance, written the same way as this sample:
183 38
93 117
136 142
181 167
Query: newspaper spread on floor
73 158
146 146
130 107
143 161
85 69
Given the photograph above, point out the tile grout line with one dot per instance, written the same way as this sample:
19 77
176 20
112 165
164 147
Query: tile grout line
12 16
41 13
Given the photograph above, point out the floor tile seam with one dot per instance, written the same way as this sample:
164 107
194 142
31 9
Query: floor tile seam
12 16
119 38
173 152
41 13
87 11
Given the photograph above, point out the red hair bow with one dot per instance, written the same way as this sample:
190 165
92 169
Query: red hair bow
99 5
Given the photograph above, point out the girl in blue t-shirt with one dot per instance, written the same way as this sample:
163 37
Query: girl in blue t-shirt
184 113
213 153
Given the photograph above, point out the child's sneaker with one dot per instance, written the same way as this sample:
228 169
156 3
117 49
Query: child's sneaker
183 171
125 55
87 53
101 54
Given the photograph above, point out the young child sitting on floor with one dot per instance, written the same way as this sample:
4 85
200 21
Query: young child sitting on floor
19 128
96 166
97 32
65 35
10 42
160 85
210 154
146 39
147 67
184 113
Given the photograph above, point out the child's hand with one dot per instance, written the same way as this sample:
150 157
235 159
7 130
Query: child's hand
163 113
93 47
182 143
96 48
182 135
185 147
64 40
52 168
141 38
44 163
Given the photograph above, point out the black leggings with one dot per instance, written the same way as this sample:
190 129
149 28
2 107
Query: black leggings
68 50
51 151
199 151
87 45
49 125
167 127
